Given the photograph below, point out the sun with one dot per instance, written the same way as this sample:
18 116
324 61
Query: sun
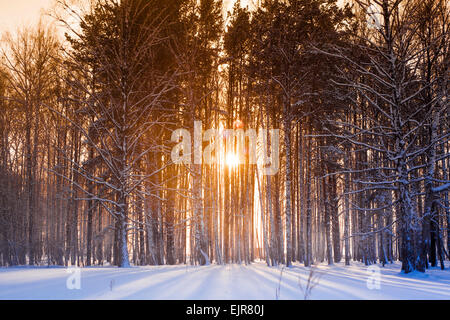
232 160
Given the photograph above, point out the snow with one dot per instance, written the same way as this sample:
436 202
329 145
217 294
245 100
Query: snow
442 187
237 282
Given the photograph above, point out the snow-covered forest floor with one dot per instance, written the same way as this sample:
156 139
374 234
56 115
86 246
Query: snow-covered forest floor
255 281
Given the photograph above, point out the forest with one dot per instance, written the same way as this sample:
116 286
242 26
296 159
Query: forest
352 96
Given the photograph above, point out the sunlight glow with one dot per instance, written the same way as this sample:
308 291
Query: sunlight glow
232 160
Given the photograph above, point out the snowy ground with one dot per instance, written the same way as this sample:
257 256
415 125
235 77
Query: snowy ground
256 281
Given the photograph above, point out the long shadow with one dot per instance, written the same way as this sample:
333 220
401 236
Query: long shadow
326 288
156 283
53 286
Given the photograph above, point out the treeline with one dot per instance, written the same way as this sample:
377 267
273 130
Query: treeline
359 93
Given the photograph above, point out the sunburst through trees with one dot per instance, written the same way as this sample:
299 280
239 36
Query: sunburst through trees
164 132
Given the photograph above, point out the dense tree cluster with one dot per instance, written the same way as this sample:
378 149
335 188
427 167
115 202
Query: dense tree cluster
359 94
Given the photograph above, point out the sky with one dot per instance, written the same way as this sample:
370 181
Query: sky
15 13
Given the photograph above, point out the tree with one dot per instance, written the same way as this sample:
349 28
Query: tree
30 79
386 83
131 89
